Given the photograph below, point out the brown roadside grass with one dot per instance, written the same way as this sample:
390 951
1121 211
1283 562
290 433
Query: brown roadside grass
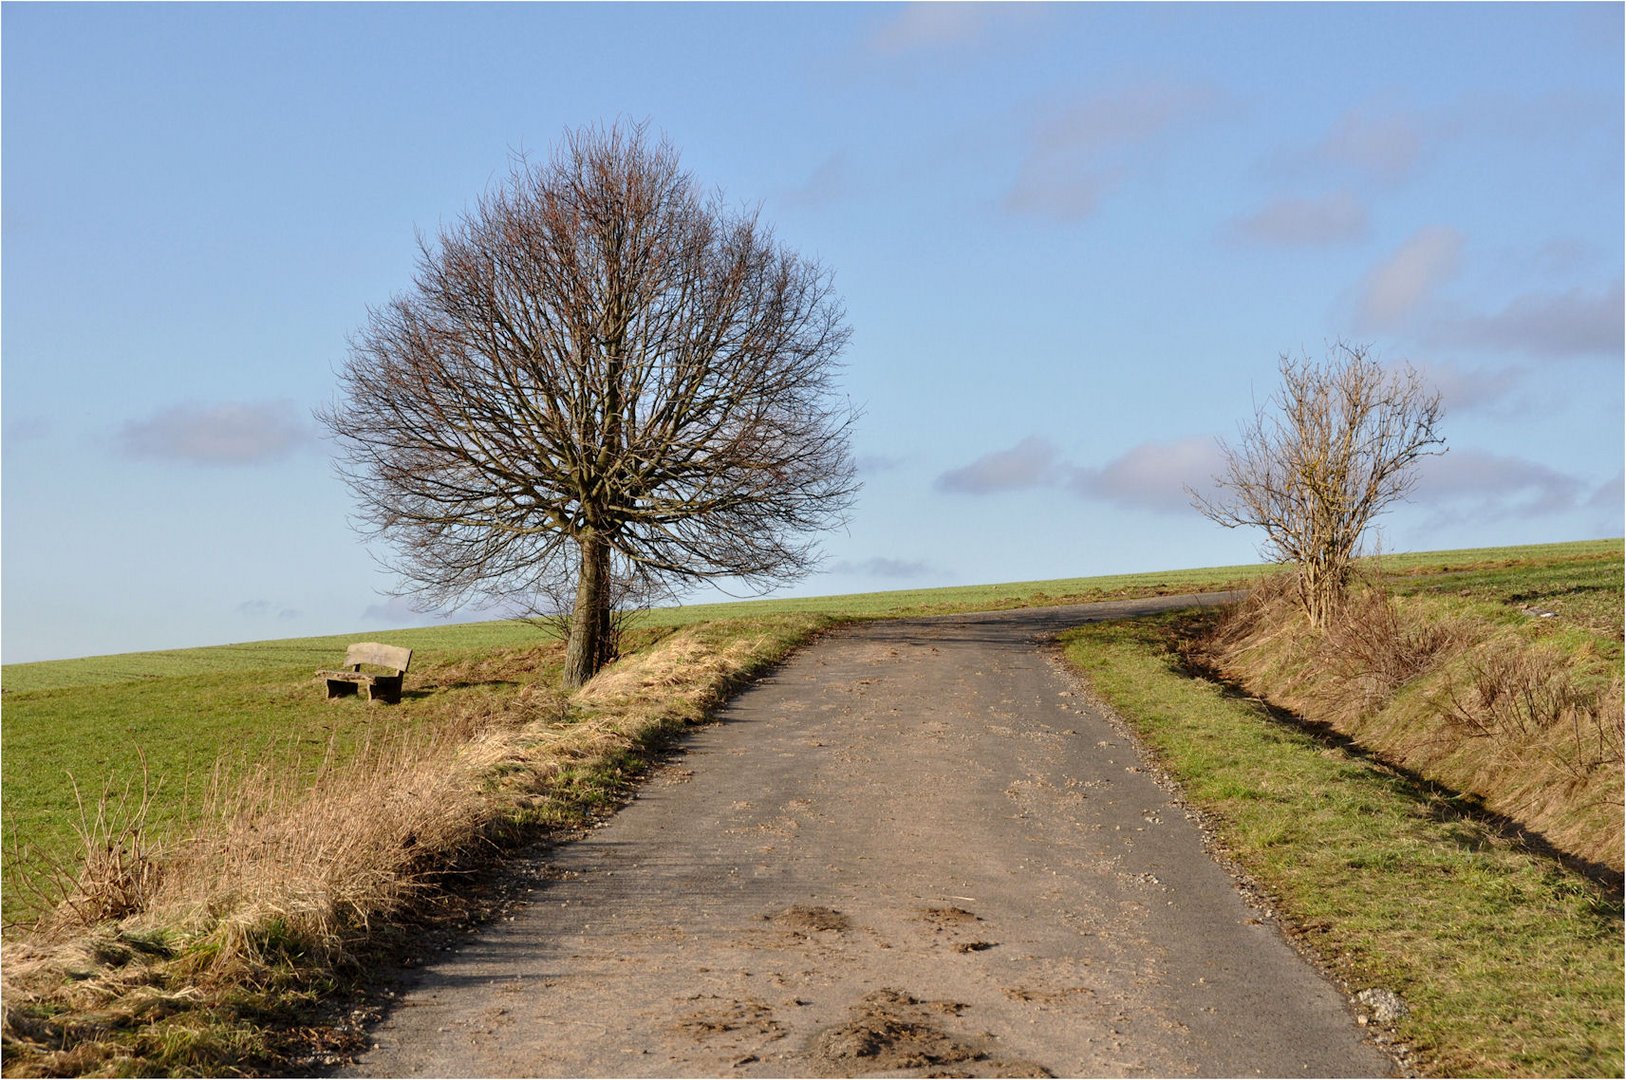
1500 708
190 958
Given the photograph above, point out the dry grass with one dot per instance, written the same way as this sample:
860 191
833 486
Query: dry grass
176 959
1491 708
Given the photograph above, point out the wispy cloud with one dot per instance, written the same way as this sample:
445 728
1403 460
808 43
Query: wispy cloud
1384 145
1153 475
398 611
24 430
828 183
1399 288
923 27
875 464
1404 294
882 567
1610 499
1476 486
263 609
1336 218
1081 151
1575 322
1028 464
233 433
1473 389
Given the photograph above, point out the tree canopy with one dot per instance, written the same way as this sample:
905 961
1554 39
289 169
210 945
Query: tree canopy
599 372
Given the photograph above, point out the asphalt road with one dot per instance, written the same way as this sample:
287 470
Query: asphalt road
915 849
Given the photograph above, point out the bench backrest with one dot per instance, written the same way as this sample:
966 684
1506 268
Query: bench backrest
385 656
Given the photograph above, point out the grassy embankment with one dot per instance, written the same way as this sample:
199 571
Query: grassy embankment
1510 962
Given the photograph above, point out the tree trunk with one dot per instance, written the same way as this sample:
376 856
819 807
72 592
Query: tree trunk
589 643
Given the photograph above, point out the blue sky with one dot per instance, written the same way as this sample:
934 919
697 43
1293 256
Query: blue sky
1072 240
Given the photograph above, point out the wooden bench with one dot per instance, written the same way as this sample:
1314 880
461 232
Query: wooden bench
379 687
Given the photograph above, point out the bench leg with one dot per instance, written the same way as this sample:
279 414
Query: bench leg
385 688
338 688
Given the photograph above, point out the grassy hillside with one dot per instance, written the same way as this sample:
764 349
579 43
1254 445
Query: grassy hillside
290 868
172 719
298 654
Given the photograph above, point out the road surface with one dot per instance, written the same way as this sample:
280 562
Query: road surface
916 849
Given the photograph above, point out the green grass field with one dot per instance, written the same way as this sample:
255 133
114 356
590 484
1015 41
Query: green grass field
172 715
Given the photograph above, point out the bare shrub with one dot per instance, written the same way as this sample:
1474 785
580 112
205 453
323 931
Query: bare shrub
1371 650
1532 698
112 873
1334 448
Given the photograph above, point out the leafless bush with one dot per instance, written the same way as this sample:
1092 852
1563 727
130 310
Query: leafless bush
1531 698
1372 651
1335 447
112 873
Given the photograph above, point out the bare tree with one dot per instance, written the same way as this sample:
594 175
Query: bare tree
598 362
1337 449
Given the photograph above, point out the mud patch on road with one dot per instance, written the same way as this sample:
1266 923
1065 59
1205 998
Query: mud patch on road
943 918
799 925
724 1017
1042 997
889 1031
800 918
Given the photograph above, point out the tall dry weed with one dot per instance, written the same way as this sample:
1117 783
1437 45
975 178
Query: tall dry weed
114 870
1533 697
1371 649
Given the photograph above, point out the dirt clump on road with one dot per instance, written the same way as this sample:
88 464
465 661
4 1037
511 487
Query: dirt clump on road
804 919
723 1017
944 917
889 1030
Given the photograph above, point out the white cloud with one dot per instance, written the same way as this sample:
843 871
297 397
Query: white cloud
1476 486
261 609
1385 146
882 567
400 611
875 464
1153 475
1464 389
1398 288
1610 498
1062 194
1333 219
1576 322
921 27
829 182
1028 464
1083 150
233 433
